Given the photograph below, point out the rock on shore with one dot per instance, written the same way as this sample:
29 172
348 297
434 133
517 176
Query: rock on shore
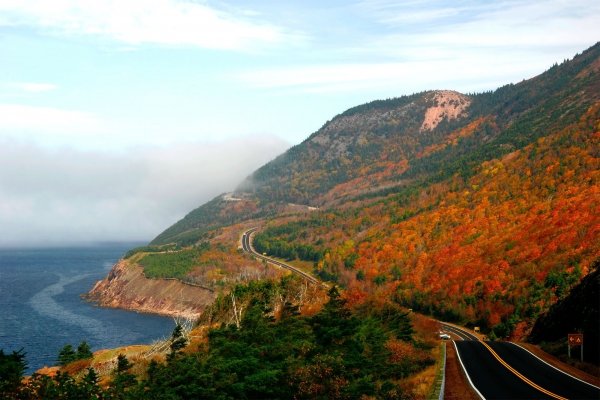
127 287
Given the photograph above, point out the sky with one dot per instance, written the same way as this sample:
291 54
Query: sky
118 117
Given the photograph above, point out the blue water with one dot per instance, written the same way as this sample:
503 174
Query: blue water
41 308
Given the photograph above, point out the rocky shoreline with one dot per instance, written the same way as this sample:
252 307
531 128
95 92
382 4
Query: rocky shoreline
127 287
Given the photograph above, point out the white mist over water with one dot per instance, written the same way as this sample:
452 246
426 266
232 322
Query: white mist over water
42 308
45 304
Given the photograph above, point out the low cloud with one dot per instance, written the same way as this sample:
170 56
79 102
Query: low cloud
25 118
52 197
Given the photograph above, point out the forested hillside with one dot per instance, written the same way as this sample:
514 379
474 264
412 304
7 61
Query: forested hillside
404 144
481 208
290 341
494 250
579 312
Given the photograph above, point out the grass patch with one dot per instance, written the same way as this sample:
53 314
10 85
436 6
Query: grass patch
150 249
305 266
440 366
174 264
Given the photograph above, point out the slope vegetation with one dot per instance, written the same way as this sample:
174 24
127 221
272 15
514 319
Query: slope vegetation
395 145
482 208
578 312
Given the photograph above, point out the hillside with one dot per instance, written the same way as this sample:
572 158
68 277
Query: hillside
577 312
290 341
480 208
397 145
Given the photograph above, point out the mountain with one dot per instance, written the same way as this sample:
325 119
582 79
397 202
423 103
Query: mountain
480 208
398 144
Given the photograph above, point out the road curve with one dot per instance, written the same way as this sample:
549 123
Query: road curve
461 333
543 374
504 370
247 247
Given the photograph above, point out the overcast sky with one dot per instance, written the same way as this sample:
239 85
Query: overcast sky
117 117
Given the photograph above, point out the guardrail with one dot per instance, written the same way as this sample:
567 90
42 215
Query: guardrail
440 377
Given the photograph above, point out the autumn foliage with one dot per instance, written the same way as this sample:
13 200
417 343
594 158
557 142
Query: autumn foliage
499 248
494 250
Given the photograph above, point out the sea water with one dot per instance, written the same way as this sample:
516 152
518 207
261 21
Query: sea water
41 308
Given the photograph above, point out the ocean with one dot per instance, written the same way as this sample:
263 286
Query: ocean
41 308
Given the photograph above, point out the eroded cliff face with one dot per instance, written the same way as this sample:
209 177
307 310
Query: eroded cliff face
127 287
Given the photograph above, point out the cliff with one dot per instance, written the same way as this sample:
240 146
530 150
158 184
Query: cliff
126 287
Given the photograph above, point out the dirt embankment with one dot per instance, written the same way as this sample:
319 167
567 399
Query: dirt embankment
127 287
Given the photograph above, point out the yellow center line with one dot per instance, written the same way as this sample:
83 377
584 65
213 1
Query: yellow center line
523 378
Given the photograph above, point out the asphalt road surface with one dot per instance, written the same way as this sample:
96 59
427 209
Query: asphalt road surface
247 247
504 370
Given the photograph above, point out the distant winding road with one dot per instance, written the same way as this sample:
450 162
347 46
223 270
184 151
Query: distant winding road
247 247
496 370
504 370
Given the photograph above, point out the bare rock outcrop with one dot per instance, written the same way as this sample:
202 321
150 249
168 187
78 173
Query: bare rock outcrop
447 105
127 287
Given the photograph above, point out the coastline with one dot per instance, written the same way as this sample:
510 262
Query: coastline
126 287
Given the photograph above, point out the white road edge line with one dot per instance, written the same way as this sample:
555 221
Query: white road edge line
465 371
558 369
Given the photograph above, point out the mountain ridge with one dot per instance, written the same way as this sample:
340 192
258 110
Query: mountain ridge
352 145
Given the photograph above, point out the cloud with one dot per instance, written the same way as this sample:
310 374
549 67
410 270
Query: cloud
58 128
34 87
475 26
410 12
408 76
25 118
467 46
136 22
52 127
50 197
440 14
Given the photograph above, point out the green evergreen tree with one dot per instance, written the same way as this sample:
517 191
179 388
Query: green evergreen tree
334 324
89 384
123 379
84 351
123 364
91 377
12 368
66 355
153 372
40 387
397 320
178 341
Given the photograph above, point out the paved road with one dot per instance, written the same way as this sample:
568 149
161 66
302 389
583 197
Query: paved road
247 247
504 370
461 333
